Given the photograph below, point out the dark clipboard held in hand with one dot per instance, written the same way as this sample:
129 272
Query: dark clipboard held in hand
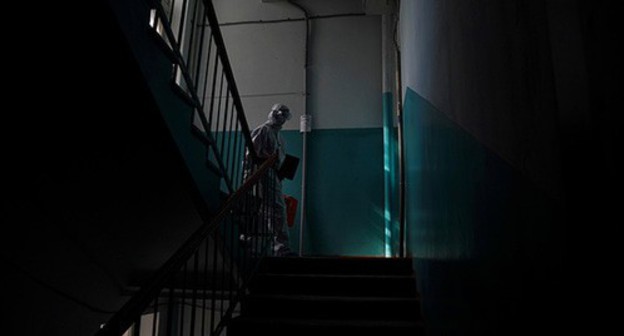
288 168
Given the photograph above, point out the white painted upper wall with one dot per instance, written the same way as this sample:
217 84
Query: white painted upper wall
344 74
346 81
252 10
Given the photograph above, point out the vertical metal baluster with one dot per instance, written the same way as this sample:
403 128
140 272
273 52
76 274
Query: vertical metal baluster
200 50
155 319
171 12
181 25
236 163
222 283
192 61
225 120
212 95
170 307
194 283
219 112
182 306
263 213
272 211
136 327
214 283
229 148
205 286
240 218
206 78
232 249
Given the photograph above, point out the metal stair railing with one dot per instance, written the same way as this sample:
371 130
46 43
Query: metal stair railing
203 75
196 292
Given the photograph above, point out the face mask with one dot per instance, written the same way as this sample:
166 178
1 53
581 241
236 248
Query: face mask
278 117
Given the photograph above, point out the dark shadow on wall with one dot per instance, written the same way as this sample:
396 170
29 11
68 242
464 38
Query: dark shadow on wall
489 246
95 187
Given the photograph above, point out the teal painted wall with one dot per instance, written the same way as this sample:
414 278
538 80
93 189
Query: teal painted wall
345 191
486 241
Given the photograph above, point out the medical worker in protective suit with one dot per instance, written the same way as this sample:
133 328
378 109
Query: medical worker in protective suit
267 141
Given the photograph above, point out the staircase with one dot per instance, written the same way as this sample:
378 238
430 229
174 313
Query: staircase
331 295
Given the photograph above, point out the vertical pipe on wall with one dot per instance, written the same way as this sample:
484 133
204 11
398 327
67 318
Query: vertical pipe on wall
389 139
305 126
401 143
